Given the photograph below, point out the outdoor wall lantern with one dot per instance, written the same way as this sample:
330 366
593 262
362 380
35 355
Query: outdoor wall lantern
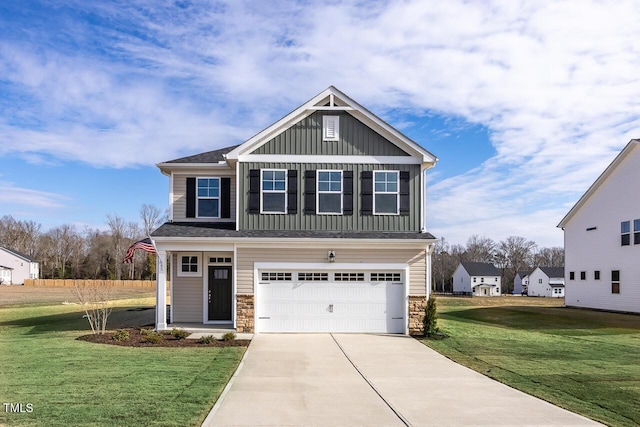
331 256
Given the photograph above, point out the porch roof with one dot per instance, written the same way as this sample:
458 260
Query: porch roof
228 230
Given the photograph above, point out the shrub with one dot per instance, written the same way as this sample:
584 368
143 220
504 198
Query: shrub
429 322
229 336
145 331
152 337
121 335
208 339
179 334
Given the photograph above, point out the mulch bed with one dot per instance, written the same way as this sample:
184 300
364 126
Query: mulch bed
136 339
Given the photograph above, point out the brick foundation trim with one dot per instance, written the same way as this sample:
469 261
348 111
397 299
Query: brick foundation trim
245 314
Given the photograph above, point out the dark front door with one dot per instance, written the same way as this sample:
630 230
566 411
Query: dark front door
220 293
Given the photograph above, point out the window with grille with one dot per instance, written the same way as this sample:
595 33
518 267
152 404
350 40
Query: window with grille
313 277
349 277
273 276
385 277
219 260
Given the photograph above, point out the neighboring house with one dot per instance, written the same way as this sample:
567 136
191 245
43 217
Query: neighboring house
20 266
546 282
479 279
315 224
521 282
602 239
5 275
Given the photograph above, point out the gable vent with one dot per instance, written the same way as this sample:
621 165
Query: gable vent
330 128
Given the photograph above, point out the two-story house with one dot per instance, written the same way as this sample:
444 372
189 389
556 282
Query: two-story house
521 282
546 282
315 224
16 267
602 239
480 279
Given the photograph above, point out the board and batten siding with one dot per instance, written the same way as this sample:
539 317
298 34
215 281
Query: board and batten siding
415 258
355 222
592 243
305 138
180 197
187 296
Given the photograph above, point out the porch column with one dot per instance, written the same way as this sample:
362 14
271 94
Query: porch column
161 291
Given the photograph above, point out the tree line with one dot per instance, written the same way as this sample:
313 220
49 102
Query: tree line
66 252
510 256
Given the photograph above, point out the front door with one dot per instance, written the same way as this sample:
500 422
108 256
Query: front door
220 294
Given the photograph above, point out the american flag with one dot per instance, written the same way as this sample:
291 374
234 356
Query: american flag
144 244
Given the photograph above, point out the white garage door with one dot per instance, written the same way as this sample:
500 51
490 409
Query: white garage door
334 301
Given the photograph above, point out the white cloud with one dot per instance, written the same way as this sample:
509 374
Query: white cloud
29 198
556 83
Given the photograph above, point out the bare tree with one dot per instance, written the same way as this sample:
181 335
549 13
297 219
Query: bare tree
119 240
516 254
480 249
151 218
549 257
95 298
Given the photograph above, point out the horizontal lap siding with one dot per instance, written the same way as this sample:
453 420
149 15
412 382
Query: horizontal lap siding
187 297
415 258
305 138
180 197
355 222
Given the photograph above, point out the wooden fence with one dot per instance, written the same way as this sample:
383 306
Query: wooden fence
69 283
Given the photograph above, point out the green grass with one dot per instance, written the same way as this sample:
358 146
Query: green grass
585 361
71 382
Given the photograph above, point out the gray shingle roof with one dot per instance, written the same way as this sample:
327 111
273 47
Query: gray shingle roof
200 229
524 273
19 254
208 157
553 271
480 269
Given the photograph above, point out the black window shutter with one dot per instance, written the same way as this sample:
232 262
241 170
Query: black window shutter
366 177
225 197
405 205
254 191
310 192
191 197
347 193
292 192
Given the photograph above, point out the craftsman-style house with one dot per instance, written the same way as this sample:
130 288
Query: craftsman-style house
315 224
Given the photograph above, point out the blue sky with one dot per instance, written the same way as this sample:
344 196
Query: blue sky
525 103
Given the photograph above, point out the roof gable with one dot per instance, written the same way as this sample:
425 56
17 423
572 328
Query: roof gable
480 269
305 138
633 144
334 100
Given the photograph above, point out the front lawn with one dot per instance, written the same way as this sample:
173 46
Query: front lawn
73 382
585 361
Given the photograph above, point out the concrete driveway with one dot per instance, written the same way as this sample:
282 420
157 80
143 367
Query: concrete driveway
369 380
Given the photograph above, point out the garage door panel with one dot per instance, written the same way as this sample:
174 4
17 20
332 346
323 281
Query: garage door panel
328 306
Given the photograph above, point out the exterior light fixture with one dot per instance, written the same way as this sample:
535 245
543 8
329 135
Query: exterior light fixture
331 256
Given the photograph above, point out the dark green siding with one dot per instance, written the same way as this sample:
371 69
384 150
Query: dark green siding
305 137
355 222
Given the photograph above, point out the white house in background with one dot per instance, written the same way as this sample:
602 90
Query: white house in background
20 266
602 239
546 282
477 279
521 282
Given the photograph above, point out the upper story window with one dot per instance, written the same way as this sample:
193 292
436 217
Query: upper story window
329 192
330 128
386 199
636 231
274 191
208 202
625 233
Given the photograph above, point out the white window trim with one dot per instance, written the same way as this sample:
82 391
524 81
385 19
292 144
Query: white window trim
286 188
336 128
181 273
208 198
329 192
397 193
